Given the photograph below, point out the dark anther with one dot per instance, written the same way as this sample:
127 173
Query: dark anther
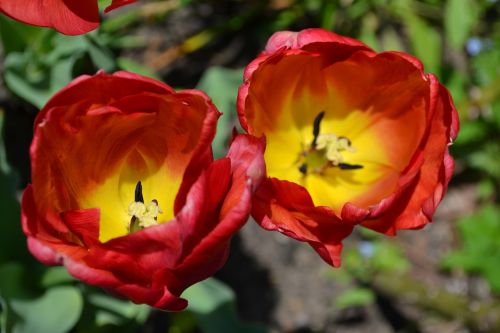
138 192
134 225
346 166
316 127
303 169
348 141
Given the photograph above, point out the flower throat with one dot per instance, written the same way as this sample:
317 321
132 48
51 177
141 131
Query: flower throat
325 151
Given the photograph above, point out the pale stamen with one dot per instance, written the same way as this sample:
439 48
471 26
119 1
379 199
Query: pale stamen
143 215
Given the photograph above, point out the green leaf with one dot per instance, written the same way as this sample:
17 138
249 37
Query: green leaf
14 281
472 132
51 62
205 297
222 84
425 42
213 305
104 3
26 311
456 85
460 16
113 311
15 36
486 159
33 81
355 297
55 276
56 311
101 56
480 251
485 65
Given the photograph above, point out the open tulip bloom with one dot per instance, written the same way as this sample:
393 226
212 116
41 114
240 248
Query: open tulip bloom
71 17
353 137
125 192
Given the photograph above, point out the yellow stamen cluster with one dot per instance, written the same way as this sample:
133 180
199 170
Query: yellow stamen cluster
145 214
334 146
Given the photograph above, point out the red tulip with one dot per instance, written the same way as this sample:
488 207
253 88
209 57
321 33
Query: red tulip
353 137
125 192
70 17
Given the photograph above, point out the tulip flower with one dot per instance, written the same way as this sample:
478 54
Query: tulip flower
68 17
125 192
353 137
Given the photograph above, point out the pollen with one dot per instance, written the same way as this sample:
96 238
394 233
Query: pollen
334 146
143 215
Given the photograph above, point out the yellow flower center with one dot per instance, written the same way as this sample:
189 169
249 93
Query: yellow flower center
325 151
143 215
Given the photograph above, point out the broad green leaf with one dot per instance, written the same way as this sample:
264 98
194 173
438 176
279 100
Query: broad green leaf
222 84
37 83
113 311
460 16
55 276
205 297
15 283
15 36
213 305
355 297
56 311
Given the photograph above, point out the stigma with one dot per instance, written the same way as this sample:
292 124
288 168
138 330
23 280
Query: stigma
143 215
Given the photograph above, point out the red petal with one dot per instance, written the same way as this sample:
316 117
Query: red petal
415 207
299 40
288 208
68 17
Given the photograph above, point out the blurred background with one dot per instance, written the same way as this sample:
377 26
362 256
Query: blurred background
443 279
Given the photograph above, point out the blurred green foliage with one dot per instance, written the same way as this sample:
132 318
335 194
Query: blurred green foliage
458 40
480 252
362 260
221 84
